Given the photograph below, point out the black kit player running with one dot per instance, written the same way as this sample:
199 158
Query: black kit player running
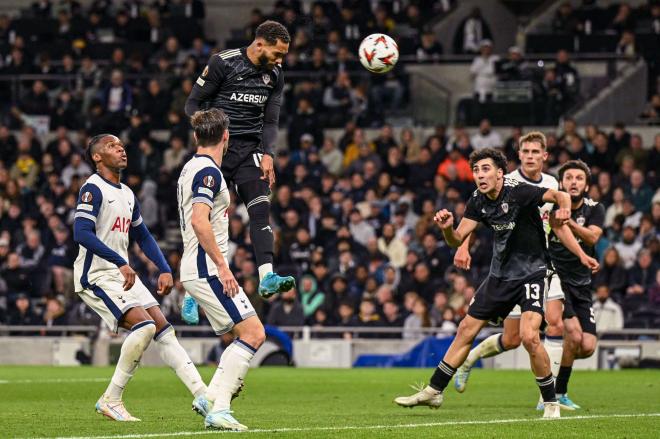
520 256
576 278
247 85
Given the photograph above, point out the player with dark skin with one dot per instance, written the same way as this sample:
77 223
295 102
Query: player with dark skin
110 159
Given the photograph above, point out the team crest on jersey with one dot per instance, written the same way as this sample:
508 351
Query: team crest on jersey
266 78
580 220
86 197
208 181
505 207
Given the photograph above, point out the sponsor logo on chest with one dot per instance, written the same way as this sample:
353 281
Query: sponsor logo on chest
248 97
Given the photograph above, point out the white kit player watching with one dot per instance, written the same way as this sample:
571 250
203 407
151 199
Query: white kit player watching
532 155
107 214
203 200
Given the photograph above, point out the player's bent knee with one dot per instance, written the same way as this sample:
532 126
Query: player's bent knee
588 346
251 331
511 341
530 340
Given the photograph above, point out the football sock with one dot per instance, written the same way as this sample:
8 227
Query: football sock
264 270
173 354
487 348
261 234
547 387
229 375
442 376
129 358
561 387
554 345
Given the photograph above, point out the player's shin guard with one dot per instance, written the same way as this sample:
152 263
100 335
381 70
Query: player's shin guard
131 352
487 348
173 354
554 345
547 387
233 367
261 234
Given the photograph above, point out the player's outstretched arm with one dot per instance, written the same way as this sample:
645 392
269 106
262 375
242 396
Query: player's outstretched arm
204 232
445 220
567 238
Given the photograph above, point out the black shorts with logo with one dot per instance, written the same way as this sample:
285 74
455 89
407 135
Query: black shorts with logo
495 297
578 303
242 163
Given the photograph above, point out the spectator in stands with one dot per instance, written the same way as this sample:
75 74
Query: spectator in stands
568 76
174 155
22 313
32 256
654 290
565 20
77 167
429 48
652 111
624 19
629 247
311 297
608 313
54 314
385 141
368 317
410 147
287 311
612 273
483 71
619 138
392 317
626 44
639 192
25 169
36 101
60 260
641 276
471 32
392 246
486 137
339 99
553 96
514 68
418 319
117 99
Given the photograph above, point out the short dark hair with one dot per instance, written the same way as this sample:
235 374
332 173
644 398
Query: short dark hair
92 147
575 164
488 153
271 31
209 126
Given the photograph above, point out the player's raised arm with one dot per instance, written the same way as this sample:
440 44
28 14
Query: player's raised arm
140 233
206 86
454 237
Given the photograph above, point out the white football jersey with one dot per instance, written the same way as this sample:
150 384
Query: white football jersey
201 182
114 210
547 181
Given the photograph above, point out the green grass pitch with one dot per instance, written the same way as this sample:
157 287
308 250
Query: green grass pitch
328 403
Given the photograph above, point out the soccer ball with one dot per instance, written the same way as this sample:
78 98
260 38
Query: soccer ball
378 53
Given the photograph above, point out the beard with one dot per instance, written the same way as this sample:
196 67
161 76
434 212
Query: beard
576 198
264 63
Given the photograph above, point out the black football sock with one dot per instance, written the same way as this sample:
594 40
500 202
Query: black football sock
261 234
561 387
547 387
442 376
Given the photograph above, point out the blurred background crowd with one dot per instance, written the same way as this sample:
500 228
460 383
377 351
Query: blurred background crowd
352 209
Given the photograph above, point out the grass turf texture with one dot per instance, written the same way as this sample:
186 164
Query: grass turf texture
328 403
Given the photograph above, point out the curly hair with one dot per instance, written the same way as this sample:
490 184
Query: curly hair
271 31
489 153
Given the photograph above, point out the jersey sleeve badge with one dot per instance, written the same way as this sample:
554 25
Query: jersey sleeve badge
208 181
266 78
86 197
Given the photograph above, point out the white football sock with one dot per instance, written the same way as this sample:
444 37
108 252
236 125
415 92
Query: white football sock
173 354
555 348
131 352
233 367
264 270
487 348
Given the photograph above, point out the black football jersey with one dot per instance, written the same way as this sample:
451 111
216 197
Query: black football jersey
245 92
567 265
519 242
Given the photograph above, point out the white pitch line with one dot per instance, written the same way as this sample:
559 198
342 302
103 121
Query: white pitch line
55 380
365 427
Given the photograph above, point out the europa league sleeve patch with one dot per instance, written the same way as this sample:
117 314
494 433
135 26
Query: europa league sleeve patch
209 181
87 197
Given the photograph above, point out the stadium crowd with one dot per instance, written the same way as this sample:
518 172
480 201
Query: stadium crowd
352 215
